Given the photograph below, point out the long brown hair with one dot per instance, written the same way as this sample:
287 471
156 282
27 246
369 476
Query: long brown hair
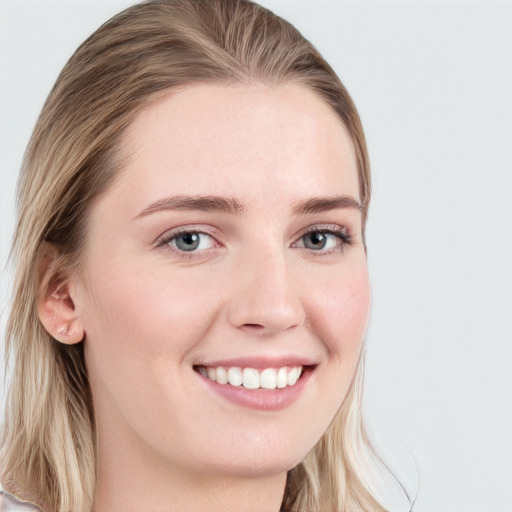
48 444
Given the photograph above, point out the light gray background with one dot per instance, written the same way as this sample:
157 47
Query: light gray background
433 84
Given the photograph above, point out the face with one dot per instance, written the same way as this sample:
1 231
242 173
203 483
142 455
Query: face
229 249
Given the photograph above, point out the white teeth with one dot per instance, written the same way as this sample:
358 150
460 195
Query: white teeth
268 378
222 375
235 376
251 378
292 376
281 378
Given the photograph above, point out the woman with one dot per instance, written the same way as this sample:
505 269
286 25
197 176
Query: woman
191 299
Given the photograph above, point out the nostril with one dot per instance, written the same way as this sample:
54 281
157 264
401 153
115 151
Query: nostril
259 313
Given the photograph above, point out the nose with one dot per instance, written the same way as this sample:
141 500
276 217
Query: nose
265 302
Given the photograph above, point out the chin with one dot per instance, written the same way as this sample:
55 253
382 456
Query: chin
261 457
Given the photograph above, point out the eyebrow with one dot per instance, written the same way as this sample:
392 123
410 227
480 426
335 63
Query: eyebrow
323 204
234 206
201 203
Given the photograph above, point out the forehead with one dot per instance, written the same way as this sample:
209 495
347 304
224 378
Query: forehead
253 142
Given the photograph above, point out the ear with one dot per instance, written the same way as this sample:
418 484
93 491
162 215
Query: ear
56 308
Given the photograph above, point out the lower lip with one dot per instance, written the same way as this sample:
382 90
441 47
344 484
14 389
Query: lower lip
262 399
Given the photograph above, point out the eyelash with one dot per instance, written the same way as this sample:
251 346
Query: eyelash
167 238
339 232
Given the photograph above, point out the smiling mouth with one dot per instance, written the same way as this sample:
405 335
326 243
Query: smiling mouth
252 378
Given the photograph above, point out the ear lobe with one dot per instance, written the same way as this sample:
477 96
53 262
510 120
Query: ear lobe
56 309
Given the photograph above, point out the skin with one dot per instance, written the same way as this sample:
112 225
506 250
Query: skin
253 288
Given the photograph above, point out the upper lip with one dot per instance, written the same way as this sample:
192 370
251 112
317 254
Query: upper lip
261 362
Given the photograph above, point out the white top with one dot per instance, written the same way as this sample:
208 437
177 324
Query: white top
9 503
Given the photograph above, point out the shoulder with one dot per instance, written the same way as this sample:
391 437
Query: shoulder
8 503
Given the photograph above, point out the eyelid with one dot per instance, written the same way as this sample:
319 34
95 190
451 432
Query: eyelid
165 238
342 232
335 229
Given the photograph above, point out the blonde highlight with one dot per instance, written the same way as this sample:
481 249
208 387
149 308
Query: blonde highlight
48 441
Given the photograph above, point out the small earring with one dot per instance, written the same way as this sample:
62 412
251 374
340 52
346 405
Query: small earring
65 331
64 334
69 334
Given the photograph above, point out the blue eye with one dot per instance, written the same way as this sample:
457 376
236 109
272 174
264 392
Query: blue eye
189 241
317 240
324 240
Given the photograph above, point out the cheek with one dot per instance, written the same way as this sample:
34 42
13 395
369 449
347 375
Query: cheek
140 326
144 311
340 310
